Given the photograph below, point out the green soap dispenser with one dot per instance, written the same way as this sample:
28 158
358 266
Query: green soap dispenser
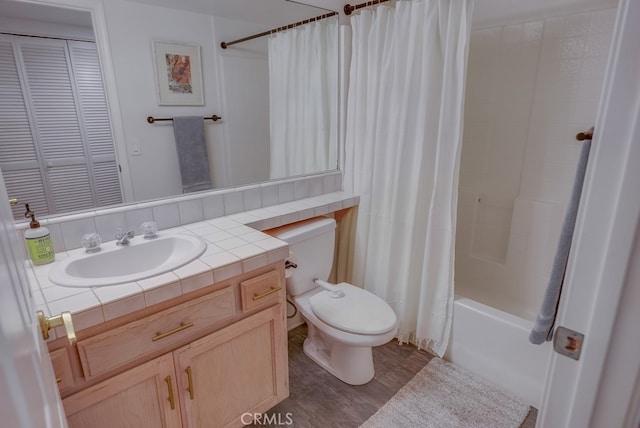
39 243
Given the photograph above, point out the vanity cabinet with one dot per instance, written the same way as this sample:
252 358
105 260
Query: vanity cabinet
219 355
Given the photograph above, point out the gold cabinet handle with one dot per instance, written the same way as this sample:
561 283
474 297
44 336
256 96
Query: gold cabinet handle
172 401
257 296
58 379
64 319
189 382
183 325
13 201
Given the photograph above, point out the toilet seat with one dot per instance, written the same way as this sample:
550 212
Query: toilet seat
358 312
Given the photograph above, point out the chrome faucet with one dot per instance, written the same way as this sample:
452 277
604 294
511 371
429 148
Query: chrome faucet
123 238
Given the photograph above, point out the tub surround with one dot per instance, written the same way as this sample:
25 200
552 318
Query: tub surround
235 246
531 87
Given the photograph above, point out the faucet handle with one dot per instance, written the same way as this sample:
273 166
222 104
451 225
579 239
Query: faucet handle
149 229
91 242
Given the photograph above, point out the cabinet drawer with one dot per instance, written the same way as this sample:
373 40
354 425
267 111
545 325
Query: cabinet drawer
62 369
261 291
109 350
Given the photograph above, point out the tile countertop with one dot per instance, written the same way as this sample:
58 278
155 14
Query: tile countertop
235 245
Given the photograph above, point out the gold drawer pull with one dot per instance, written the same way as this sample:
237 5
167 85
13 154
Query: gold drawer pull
58 379
257 296
183 326
190 382
170 388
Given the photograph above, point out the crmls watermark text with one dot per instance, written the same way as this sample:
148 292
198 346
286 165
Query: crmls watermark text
273 419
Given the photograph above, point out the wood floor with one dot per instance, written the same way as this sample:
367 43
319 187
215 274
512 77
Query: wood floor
318 399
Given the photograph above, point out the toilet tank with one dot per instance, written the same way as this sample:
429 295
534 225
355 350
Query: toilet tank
311 245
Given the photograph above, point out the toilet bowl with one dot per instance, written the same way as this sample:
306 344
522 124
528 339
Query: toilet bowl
344 321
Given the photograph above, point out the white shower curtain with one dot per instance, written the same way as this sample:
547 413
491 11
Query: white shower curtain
303 99
404 133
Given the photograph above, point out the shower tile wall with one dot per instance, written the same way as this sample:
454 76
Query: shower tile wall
530 88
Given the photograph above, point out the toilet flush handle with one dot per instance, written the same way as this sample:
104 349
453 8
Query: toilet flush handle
333 290
289 264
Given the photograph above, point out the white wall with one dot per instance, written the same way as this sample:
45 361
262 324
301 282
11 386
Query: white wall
132 27
531 87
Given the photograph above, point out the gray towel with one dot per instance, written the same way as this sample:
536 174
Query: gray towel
543 327
192 153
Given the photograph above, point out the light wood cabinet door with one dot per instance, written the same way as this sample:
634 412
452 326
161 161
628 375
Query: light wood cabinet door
138 398
239 369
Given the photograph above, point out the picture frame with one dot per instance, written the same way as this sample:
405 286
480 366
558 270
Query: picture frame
178 70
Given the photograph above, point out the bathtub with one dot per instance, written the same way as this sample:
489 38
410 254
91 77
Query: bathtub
495 346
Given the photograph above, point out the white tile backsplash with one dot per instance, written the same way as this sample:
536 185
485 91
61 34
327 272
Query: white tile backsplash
315 186
269 194
252 198
191 211
213 206
74 230
301 189
66 231
108 224
55 231
330 184
233 202
167 216
136 217
286 192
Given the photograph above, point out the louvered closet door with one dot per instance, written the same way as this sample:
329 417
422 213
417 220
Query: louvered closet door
19 159
95 116
69 126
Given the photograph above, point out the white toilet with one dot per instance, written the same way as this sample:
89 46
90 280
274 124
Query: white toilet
343 323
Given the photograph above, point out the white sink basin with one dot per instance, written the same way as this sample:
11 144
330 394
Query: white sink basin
119 264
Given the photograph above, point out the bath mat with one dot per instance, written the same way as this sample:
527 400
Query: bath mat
443 395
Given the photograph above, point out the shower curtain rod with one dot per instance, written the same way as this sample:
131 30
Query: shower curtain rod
224 45
348 9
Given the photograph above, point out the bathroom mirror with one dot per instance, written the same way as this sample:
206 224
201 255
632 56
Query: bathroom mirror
236 86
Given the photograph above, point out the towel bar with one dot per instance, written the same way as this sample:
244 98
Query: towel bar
152 119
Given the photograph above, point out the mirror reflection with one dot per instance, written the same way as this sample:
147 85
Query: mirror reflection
74 130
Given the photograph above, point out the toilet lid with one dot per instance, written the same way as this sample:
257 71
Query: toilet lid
359 311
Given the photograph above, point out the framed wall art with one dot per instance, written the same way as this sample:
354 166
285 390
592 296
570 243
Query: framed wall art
178 74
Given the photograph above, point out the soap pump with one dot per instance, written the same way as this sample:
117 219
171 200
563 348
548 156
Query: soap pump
38 240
